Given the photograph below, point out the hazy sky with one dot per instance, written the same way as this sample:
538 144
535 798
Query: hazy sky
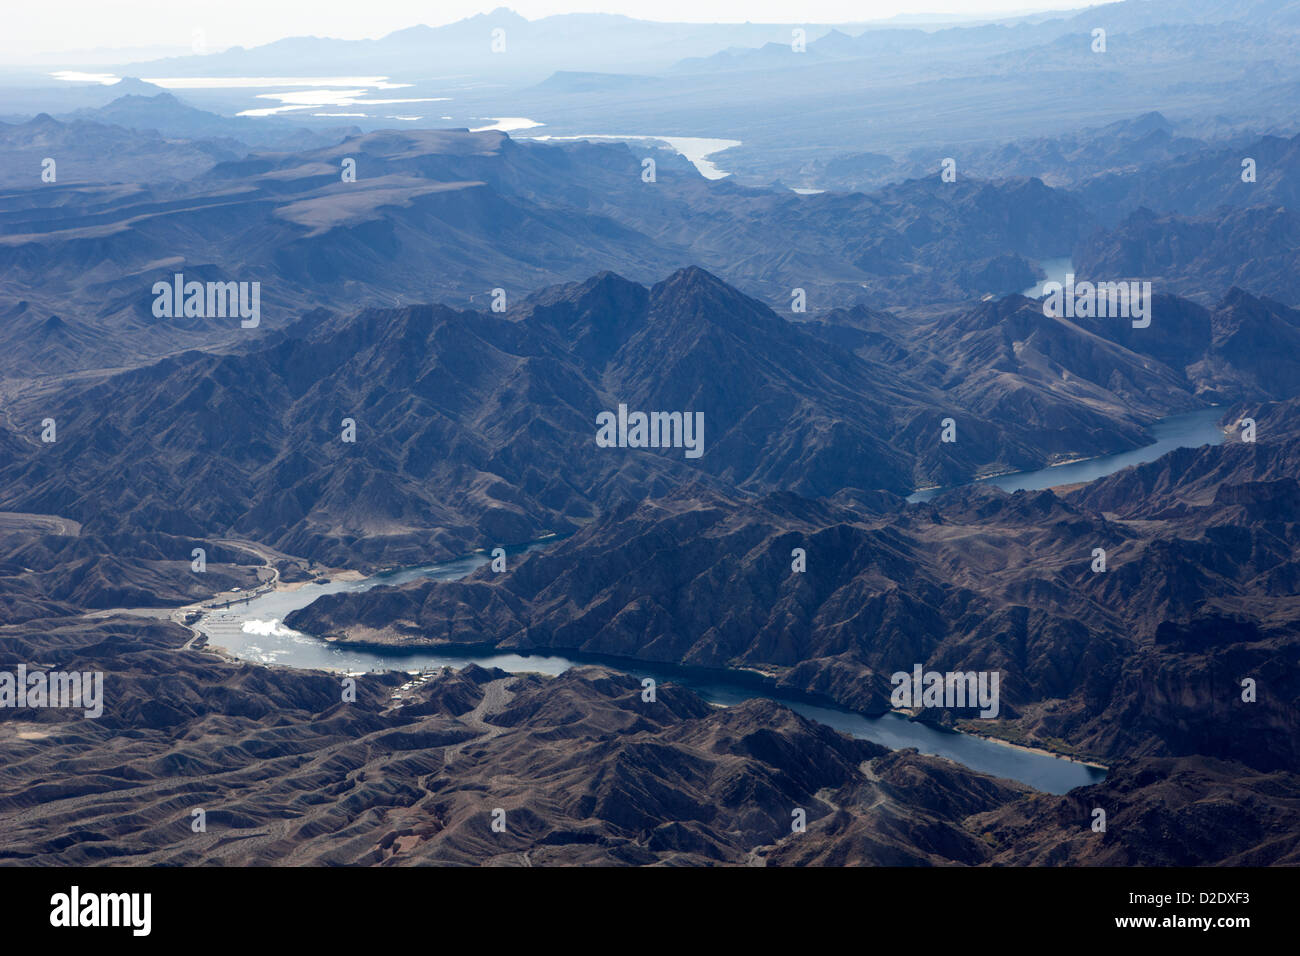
64 25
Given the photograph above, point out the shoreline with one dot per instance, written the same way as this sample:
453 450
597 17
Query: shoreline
740 676
278 585
754 677
1038 750
934 490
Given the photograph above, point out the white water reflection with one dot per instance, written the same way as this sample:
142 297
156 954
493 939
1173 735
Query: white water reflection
697 149
293 93
76 76
316 98
1056 270
233 82
505 124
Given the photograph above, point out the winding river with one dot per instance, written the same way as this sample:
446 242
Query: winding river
253 631
1188 430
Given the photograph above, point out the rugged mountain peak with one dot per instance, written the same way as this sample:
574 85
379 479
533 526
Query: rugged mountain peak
692 278
134 86
694 294
995 312
603 286
504 13
476 674
1237 297
593 318
1143 215
1151 122
146 99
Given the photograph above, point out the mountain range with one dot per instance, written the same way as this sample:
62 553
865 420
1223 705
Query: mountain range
828 261
476 427
574 770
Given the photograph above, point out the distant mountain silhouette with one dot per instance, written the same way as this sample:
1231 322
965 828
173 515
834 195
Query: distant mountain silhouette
165 113
446 215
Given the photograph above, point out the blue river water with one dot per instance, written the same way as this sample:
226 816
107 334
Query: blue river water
254 631
1188 430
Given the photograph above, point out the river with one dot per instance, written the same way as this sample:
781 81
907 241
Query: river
253 631
1188 430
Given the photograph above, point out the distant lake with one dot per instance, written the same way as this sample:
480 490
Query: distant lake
353 97
293 93
1056 270
1189 430
506 124
697 149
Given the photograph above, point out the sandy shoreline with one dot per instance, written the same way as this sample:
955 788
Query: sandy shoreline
1038 750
